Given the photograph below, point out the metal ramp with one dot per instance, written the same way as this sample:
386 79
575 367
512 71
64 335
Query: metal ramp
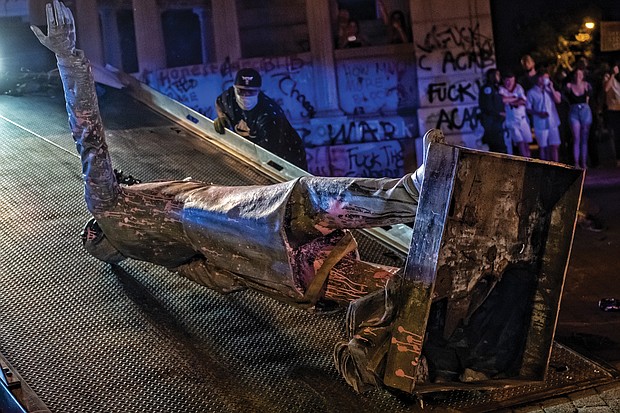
90 337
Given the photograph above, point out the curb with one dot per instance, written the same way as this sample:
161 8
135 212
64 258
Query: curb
602 178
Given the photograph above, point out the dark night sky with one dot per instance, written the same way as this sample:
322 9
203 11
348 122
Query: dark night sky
510 18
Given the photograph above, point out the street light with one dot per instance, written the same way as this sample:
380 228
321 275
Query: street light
584 32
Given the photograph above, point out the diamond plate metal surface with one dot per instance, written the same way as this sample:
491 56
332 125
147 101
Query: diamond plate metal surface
90 337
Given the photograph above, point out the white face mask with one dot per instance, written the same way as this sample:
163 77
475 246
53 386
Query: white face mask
246 102
546 81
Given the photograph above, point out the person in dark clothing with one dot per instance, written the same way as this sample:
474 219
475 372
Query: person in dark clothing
527 80
492 112
255 116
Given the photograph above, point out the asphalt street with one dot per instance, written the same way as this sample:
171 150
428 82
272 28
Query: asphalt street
594 272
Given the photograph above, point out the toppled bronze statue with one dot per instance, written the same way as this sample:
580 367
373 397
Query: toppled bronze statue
288 240
432 322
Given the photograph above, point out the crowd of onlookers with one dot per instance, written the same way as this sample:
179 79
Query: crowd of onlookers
562 112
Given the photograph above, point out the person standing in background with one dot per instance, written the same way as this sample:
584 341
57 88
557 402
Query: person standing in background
492 112
577 93
611 87
517 122
527 80
258 118
541 104
396 23
342 21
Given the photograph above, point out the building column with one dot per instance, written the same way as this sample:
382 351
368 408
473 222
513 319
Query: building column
226 30
88 30
112 43
322 50
150 45
205 32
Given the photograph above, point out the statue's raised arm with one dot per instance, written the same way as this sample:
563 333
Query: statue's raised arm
101 188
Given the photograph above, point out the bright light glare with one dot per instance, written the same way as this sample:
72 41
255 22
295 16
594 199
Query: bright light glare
589 25
583 37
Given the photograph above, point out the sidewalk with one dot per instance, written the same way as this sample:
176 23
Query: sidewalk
602 177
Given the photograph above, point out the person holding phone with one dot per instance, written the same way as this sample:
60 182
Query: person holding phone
541 105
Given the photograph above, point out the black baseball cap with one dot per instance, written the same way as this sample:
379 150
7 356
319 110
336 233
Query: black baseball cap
248 78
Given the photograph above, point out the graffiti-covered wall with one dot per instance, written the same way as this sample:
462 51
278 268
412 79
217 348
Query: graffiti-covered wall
387 95
454 47
373 133
374 137
287 79
376 85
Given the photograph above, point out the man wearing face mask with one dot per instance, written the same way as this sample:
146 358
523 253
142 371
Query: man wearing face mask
541 105
250 113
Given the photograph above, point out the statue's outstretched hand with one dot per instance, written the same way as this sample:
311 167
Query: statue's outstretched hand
60 37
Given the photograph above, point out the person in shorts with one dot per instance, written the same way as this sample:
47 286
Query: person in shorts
517 123
541 105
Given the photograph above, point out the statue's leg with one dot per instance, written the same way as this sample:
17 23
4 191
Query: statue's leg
370 317
361 359
351 279
323 204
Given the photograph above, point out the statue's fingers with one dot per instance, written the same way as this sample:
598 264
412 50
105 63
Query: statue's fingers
51 21
60 16
68 16
65 12
71 24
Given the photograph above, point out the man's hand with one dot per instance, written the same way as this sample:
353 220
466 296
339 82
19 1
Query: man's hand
219 124
60 37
